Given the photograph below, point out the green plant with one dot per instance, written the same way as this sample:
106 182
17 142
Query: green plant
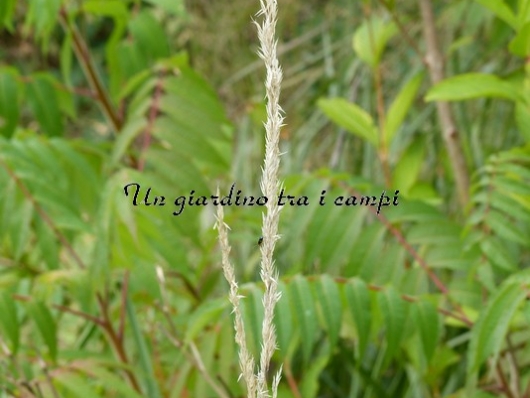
428 298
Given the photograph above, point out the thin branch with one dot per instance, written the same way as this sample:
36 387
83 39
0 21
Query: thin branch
423 264
408 247
83 56
123 307
382 150
291 381
44 368
80 91
193 355
44 216
377 288
116 343
153 113
105 323
187 284
434 62
403 30
504 383
62 308
412 299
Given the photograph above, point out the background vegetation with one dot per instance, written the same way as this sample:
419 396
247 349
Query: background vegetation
102 298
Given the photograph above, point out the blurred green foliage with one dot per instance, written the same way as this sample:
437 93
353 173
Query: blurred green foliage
102 298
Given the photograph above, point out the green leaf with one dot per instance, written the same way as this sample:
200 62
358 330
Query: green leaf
7 9
21 228
127 134
141 82
523 12
350 117
366 252
205 314
117 10
329 300
109 8
409 166
371 38
310 383
191 95
520 44
522 119
428 323
175 7
358 298
496 253
501 10
254 314
349 228
44 103
9 321
112 382
149 36
43 13
508 231
436 232
186 140
400 106
66 59
301 298
473 85
9 104
394 317
488 334
283 319
143 353
76 385
46 325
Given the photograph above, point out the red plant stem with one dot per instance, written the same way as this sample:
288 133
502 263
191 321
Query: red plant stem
43 215
124 290
62 308
83 56
423 264
153 113
106 323
403 30
504 383
408 247
293 386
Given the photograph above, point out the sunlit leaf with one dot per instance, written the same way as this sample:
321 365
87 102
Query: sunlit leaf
473 85
394 315
371 38
520 45
329 299
400 106
46 325
427 318
44 103
358 299
302 300
501 10
9 105
9 322
488 334
350 117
